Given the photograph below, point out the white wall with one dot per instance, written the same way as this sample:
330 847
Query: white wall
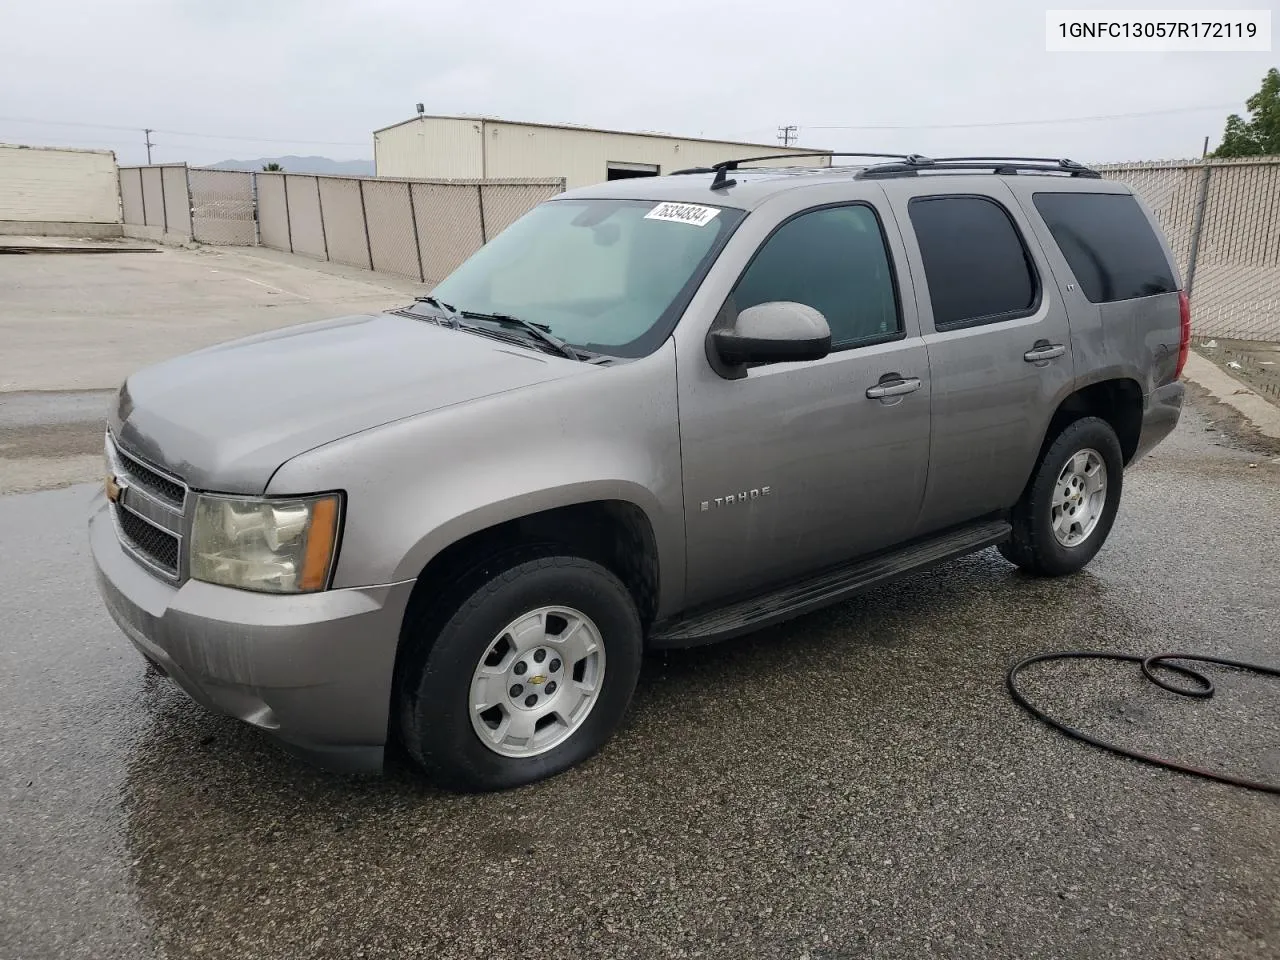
49 185
433 147
449 147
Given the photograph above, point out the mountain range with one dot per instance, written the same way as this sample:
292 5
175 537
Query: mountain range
292 164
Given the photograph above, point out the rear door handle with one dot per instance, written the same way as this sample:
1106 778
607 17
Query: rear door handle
893 388
1044 351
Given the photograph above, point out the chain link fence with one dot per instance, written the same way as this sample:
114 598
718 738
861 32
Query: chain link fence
1222 218
223 210
419 229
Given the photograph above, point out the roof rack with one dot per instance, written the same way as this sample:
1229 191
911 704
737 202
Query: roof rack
722 168
913 166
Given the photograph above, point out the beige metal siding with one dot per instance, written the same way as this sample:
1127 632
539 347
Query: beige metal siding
447 147
582 156
58 186
432 147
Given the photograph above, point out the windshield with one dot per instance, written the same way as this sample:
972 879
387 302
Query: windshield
606 275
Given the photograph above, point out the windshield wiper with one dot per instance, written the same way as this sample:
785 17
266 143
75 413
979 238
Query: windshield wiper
451 316
538 331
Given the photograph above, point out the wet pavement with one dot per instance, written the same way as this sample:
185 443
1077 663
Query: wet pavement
852 784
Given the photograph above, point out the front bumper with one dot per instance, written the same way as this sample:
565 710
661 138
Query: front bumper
314 670
1160 411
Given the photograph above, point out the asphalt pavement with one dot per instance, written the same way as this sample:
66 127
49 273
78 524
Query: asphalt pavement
856 783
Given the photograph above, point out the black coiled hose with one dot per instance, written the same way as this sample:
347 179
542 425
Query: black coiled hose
1203 689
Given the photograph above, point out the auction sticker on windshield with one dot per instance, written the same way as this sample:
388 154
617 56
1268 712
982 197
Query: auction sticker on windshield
691 213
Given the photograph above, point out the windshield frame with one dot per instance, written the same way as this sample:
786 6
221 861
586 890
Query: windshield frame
661 329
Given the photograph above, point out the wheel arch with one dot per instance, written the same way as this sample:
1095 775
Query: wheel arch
1116 400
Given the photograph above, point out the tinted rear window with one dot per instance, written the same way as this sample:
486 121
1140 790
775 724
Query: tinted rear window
974 261
1108 243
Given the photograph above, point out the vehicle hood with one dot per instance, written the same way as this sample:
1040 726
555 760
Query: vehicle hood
225 418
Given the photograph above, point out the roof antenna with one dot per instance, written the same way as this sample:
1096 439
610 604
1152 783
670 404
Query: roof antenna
721 180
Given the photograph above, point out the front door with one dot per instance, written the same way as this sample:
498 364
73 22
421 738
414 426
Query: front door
797 466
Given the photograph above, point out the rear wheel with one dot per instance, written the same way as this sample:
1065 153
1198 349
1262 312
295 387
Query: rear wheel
1066 512
530 672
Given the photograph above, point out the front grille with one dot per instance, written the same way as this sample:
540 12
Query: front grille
151 543
165 488
149 508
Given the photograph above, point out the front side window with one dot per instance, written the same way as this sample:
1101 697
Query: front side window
606 275
835 261
976 266
1108 243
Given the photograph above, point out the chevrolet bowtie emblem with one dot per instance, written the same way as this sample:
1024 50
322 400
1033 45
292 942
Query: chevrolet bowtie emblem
540 678
114 489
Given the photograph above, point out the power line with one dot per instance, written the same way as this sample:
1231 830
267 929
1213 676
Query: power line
182 133
1023 123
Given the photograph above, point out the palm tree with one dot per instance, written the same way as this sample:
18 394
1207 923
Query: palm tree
272 167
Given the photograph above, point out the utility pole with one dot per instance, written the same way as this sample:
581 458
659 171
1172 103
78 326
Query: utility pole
1205 152
788 133
147 131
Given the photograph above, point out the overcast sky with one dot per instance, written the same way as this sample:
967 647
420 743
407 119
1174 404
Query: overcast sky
294 71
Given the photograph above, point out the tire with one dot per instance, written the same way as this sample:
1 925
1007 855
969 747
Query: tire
475 625
1034 545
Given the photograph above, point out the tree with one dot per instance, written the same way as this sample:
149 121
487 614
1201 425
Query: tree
1259 136
274 167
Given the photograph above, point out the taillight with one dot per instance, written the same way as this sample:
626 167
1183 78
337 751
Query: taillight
1184 344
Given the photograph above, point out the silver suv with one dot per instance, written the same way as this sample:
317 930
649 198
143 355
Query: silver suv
651 413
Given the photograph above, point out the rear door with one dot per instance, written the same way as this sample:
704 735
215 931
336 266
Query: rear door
997 336
1117 276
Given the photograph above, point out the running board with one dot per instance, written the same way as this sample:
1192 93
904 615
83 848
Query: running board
830 586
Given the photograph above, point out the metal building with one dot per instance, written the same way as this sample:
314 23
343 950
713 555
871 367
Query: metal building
430 147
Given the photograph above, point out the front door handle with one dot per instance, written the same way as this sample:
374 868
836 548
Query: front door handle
1044 351
893 388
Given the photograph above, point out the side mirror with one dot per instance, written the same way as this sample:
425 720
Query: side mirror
774 332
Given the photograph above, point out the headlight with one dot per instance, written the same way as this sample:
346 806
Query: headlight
276 546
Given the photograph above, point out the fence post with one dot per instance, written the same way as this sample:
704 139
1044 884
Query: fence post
324 234
288 219
484 231
253 199
364 217
142 192
1197 225
191 203
164 206
417 244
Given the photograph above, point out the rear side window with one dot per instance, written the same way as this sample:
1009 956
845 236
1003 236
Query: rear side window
976 265
1109 244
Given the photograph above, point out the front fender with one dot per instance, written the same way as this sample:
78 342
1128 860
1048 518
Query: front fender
486 513
418 485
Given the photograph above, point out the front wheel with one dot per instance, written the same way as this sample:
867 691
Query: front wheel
1066 511
530 675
